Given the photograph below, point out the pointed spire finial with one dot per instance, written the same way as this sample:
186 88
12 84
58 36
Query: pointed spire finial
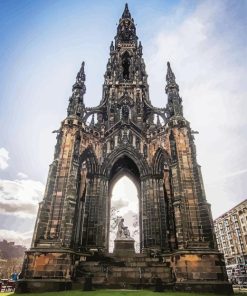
126 13
174 105
140 48
80 79
81 74
170 77
76 105
126 31
112 47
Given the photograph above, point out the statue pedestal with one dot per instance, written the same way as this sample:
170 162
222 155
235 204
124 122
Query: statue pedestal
124 247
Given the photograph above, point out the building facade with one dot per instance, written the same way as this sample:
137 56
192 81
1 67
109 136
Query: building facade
231 235
125 135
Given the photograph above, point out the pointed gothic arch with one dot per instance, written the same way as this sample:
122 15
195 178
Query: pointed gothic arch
125 166
161 158
126 63
88 156
130 152
123 161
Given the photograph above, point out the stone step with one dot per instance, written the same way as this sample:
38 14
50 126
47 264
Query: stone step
125 262
126 278
123 271
129 273
130 269
97 267
136 259
132 266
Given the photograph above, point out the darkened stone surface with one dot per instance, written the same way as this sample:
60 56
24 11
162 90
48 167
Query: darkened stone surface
126 135
159 287
124 247
88 286
129 271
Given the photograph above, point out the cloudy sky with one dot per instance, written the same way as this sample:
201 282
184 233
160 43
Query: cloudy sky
42 44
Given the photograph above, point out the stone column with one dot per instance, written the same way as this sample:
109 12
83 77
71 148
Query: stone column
95 222
152 213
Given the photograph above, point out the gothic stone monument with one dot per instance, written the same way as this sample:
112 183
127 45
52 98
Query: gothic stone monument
155 147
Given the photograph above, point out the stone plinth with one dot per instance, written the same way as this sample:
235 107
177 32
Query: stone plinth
124 247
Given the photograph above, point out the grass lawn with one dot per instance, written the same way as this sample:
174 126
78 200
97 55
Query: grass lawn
115 293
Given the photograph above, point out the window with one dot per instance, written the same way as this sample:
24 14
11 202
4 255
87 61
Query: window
126 65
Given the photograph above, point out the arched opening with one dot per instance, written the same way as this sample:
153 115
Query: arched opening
124 200
126 65
92 120
124 204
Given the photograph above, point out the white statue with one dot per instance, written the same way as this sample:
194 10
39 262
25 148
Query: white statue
123 231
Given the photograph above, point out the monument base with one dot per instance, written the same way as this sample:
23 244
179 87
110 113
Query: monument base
184 270
124 247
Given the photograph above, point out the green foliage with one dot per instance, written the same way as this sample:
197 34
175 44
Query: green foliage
8 267
115 218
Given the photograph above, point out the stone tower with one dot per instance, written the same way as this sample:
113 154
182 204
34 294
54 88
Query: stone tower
125 135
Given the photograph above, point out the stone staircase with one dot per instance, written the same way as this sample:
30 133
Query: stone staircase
137 271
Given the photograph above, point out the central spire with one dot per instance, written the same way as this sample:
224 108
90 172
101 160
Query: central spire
126 13
126 31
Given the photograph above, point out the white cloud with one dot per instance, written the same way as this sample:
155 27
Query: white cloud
228 175
4 157
22 175
20 197
124 196
18 237
119 203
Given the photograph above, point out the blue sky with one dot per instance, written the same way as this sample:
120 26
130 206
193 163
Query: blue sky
42 44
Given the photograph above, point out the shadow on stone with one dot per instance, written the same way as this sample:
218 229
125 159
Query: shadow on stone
158 285
88 286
